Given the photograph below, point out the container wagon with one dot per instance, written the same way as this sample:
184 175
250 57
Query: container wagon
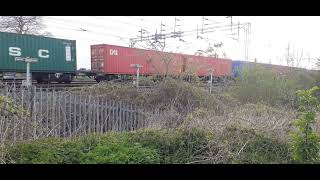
238 65
110 61
56 57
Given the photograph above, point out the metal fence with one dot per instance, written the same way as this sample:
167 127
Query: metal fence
66 113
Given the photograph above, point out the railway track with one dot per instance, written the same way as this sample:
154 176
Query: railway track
51 85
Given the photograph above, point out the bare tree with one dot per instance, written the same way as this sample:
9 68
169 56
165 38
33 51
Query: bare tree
23 25
318 63
211 51
293 57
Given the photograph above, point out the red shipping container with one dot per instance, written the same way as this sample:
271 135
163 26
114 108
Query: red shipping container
111 59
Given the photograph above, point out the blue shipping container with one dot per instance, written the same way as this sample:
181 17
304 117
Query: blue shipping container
237 66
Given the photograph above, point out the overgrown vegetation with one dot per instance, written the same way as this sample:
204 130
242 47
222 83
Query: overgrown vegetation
146 146
153 146
259 84
173 95
249 123
9 112
9 109
305 142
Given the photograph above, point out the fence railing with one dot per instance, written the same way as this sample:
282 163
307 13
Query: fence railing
67 113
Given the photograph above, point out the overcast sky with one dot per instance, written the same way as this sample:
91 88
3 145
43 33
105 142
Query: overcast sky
269 35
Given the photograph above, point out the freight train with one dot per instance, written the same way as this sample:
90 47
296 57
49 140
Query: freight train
57 61
110 61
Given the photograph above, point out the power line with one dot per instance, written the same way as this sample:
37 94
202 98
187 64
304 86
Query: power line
117 21
95 32
90 24
212 27
87 30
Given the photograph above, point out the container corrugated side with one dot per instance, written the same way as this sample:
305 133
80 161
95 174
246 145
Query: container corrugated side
54 55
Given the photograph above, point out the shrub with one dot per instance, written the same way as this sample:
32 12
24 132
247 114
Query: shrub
51 150
146 81
121 153
235 145
246 146
305 142
8 108
169 94
109 148
174 146
258 84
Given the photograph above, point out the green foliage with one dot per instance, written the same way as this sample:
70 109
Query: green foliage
305 142
180 145
307 100
190 76
51 150
142 147
118 148
174 146
305 79
258 84
248 147
109 148
8 108
121 153
146 81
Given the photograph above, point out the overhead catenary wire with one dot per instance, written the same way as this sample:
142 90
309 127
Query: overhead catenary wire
123 38
87 24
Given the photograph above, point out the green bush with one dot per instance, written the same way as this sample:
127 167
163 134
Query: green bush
121 153
258 84
109 148
305 142
305 80
118 148
152 146
174 146
144 146
146 81
9 109
249 147
51 150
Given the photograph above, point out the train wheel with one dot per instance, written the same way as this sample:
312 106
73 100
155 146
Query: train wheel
99 79
39 81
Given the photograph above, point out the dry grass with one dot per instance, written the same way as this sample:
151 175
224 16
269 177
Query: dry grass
242 132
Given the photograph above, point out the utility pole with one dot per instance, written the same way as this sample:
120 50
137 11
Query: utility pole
246 40
197 32
231 21
175 34
141 33
161 35
238 28
202 24
161 28
160 38
288 55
